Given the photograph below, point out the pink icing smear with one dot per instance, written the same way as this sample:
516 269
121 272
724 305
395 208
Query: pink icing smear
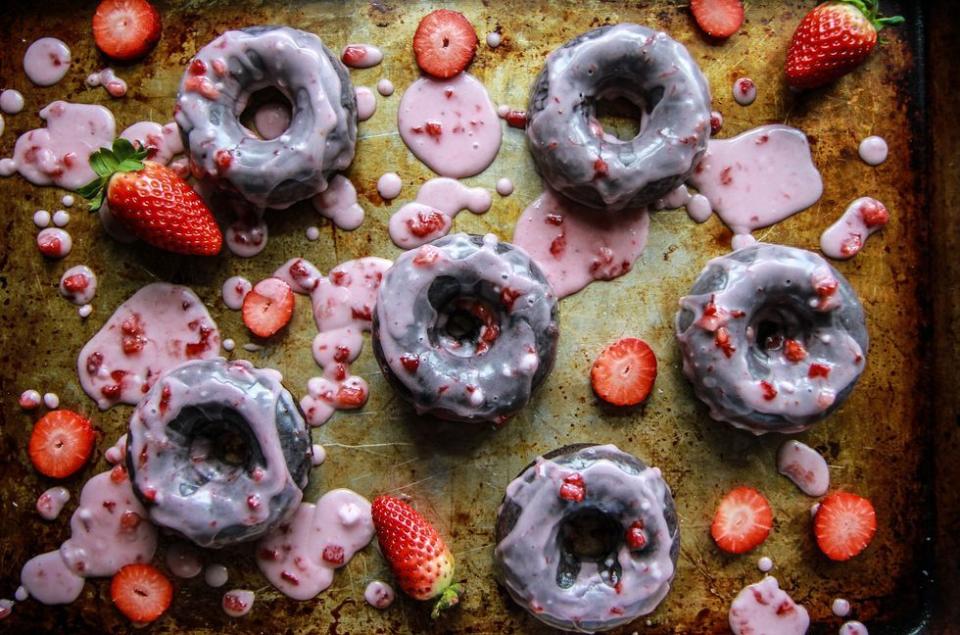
846 237
246 236
59 153
450 125
361 55
300 556
46 61
379 595
107 531
159 327
576 246
343 304
51 502
431 215
763 609
339 203
758 178
107 78
805 467
162 142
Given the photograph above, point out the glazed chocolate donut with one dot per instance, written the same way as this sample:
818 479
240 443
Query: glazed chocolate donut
323 128
587 538
647 68
218 451
773 338
466 328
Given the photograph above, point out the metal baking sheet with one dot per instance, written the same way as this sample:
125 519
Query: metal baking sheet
876 444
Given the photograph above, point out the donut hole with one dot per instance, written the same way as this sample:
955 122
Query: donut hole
589 535
218 445
468 322
777 321
266 113
621 116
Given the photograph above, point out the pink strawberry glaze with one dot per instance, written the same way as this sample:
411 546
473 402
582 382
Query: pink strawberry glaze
450 125
234 290
51 400
163 142
117 452
292 556
272 119
758 178
744 91
764 608
840 607
84 295
853 627
343 304
107 531
339 203
697 205
51 502
574 246
493 39
440 199
246 236
805 467
61 218
504 187
385 87
54 242
366 103
873 150
238 602
183 560
11 101
107 78
361 55
765 564
41 218
46 61
59 154
162 325
389 186
846 237
379 595
30 399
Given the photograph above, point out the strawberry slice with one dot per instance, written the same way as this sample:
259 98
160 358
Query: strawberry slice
444 44
61 443
743 520
717 18
844 525
141 592
126 29
268 307
624 373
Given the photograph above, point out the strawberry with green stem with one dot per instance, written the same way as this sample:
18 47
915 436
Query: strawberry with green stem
417 555
151 201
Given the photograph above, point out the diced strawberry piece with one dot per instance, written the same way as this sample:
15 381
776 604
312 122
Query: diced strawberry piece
340 278
624 373
75 283
516 119
426 255
508 296
126 29
444 43
742 521
844 525
599 168
333 554
410 362
794 351
716 123
434 129
558 245
426 223
573 488
61 443
874 214
141 592
636 536
268 307
851 245
197 67
818 370
722 341
553 219
118 474
769 391
717 18
353 55
49 245
349 397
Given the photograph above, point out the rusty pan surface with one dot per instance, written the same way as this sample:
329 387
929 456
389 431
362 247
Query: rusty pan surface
875 444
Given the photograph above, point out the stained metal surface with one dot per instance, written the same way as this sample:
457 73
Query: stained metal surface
456 474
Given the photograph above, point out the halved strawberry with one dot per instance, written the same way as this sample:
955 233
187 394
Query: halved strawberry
444 44
743 520
61 443
141 592
268 307
717 18
844 525
126 29
624 373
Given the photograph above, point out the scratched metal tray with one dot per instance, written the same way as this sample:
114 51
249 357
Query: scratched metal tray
879 444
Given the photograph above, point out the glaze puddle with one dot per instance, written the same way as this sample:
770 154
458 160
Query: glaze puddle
234 290
238 602
389 186
758 178
431 215
343 304
339 203
575 246
366 103
846 237
300 556
158 327
46 61
697 205
379 595
744 91
873 150
450 125
162 142
107 78
764 608
51 502
361 55
805 467
78 285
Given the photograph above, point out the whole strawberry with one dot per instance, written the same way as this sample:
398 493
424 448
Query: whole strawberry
417 554
151 201
832 40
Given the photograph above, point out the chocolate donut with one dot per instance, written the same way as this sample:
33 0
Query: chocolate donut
218 452
773 338
587 538
650 70
466 328
323 128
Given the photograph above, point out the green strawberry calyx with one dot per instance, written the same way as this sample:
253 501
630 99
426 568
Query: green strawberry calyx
871 10
450 596
105 162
